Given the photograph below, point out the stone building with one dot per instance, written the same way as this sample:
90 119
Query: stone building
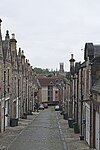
49 89
71 102
1 77
16 82
96 115
88 107
91 76
7 79
14 87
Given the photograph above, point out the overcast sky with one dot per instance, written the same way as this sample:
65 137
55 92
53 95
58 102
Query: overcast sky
49 31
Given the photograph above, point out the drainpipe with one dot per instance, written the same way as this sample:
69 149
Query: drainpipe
77 98
74 96
18 115
4 90
91 112
81 129
3 100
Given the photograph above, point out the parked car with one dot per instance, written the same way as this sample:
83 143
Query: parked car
41 107
57 108
45 105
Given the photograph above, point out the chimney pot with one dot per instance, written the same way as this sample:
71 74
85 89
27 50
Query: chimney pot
13 36
22 52
0 20
71 56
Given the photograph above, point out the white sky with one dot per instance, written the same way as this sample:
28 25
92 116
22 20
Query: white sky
49 31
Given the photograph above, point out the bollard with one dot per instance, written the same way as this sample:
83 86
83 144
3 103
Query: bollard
70 122
76 127
65 116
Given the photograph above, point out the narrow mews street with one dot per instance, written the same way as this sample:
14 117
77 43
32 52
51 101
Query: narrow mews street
43 133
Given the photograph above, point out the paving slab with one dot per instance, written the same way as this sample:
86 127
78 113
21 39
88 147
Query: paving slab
12 132
72 139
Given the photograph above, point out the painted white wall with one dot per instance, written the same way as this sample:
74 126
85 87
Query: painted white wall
17 109
97 131
6 113
88 123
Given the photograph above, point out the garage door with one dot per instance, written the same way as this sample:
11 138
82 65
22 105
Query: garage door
88 124
97 131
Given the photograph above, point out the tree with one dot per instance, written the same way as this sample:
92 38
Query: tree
41 71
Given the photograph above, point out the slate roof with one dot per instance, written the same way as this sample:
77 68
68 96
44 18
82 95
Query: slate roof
96 87
45 81
91 50
96 50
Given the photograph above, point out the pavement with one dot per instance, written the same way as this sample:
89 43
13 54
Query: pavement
11 133
71 140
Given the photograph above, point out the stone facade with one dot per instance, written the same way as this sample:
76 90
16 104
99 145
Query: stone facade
84 95
49 91
78 94
16 82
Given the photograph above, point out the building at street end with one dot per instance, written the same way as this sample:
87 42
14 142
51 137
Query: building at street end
50 90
